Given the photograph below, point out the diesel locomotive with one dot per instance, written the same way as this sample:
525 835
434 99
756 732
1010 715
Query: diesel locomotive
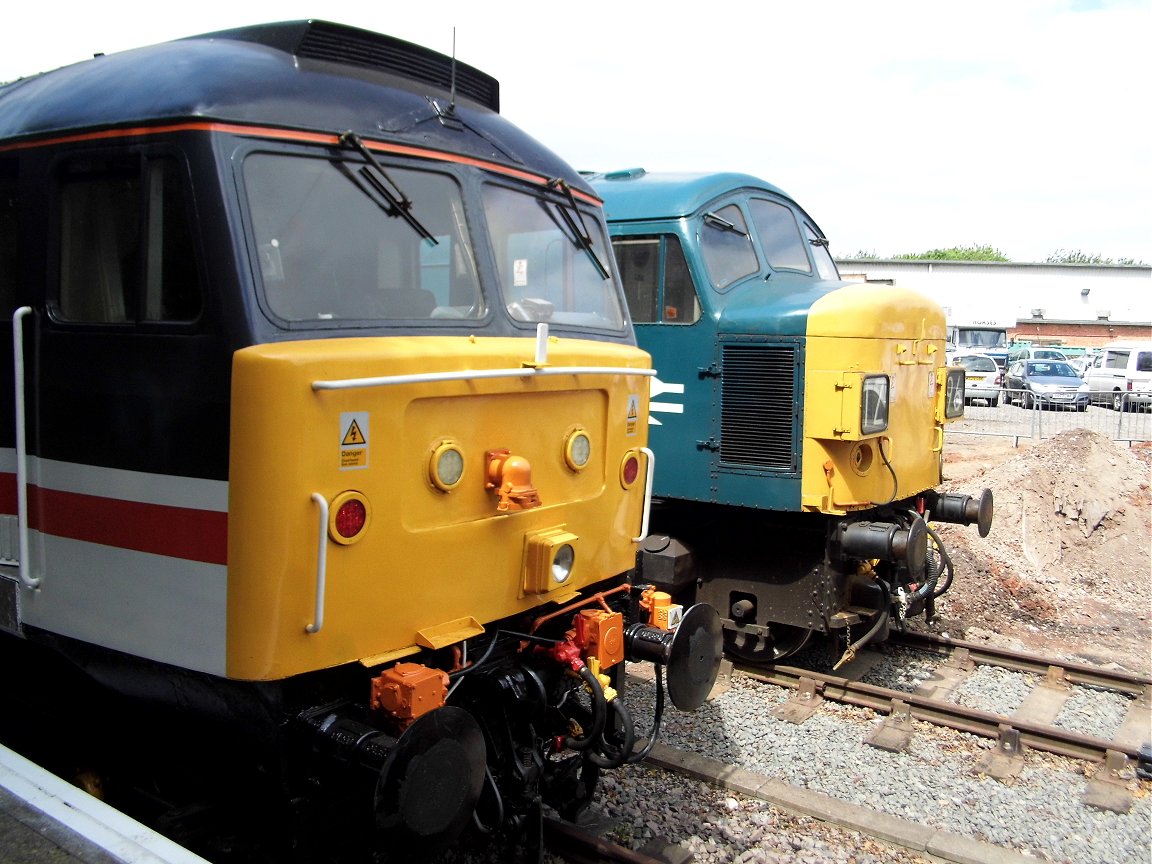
324 444
798 419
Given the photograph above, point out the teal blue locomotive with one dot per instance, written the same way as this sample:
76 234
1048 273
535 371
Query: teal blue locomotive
797 419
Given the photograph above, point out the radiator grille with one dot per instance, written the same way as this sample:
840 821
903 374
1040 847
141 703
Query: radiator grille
758 399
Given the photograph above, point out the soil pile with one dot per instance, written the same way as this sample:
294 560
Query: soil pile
1067 567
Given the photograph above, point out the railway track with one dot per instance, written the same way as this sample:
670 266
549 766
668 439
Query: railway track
577 846
1031 725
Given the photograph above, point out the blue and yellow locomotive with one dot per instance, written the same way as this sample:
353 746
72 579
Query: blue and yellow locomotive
324 450
798 420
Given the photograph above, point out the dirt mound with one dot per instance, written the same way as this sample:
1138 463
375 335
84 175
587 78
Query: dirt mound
1068 565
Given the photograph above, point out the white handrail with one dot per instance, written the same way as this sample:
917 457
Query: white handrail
321 565
647 494
477 374
21 445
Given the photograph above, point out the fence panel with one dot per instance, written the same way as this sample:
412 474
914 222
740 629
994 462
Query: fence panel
1133 423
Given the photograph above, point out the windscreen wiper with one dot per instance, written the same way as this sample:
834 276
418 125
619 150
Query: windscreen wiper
400 203
580 234
723 224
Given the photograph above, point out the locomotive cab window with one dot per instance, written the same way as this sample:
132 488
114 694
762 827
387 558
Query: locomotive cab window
552 260
779 235
657 283
126 250
825 266
331 248
727 246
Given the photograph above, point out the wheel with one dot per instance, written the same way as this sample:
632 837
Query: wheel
1029 401
994 401
1117 400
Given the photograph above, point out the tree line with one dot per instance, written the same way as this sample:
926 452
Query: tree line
991 253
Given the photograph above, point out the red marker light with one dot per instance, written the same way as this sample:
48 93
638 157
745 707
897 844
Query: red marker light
350 518
631 470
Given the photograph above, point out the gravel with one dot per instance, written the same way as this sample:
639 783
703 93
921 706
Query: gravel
932 782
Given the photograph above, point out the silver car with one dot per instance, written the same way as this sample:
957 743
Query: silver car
1047 384
981 378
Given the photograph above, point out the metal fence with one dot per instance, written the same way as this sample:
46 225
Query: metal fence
1134 423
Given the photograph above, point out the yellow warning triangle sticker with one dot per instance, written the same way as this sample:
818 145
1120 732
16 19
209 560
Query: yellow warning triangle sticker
353 435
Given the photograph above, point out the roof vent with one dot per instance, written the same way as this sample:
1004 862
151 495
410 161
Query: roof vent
1103 314
1037 313
337 43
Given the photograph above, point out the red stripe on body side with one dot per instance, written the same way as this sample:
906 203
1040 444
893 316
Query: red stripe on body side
160 529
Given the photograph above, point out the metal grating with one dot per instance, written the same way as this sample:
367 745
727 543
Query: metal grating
323 41
758 398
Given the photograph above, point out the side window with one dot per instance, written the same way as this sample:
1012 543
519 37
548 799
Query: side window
657 283
779 235
1116 360
125 243
8 238
727 246
1144 361
825 266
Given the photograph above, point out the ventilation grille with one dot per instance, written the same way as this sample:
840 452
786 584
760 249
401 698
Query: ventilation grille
336 43
758 399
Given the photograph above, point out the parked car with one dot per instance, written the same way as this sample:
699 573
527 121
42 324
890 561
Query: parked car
1121 375
1051 383
1030 352
1083 363
981 378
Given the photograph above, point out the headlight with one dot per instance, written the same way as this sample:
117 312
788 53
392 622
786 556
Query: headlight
954 394
874 403
446 467
577 449
562 563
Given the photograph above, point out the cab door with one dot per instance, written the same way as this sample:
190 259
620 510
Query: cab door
126 412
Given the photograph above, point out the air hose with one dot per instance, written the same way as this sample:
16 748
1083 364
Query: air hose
599 712
882 614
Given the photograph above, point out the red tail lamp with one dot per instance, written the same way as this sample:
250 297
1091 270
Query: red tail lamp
348 517
630 468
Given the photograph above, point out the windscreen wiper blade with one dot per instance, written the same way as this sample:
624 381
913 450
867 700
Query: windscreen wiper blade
379 180
580 234
723 224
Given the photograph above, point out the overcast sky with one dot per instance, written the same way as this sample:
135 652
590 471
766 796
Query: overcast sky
899 126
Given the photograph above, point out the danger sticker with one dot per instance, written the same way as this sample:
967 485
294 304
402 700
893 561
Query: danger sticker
353 440
632 423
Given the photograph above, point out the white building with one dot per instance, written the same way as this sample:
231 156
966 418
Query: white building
1082 304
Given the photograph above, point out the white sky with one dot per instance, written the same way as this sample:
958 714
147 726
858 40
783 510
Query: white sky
900 125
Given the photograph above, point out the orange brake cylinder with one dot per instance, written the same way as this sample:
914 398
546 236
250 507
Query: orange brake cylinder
408 690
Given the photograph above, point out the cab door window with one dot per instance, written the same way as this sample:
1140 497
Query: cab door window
657 283
125 243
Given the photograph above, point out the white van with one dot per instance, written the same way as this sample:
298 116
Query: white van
1121 376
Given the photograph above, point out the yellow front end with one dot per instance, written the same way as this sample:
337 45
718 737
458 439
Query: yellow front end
857 336
394 494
